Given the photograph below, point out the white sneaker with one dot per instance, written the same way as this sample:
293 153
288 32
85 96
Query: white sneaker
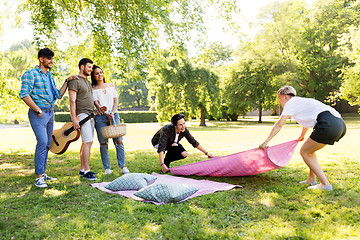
125 170
40 182
107 171
47 178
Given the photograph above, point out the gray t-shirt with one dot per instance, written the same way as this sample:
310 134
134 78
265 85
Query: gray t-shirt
84 98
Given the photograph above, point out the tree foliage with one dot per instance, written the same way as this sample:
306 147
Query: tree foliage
180 87
350 47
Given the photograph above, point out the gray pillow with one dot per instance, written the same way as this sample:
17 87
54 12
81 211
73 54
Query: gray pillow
131 181
166 192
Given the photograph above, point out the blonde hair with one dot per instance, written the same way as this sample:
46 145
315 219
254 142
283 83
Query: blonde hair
287 90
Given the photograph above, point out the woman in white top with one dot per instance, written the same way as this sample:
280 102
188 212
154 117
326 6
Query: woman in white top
105 94
328 128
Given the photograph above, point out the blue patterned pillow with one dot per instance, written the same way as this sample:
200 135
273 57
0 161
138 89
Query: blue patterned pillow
166 192
131 181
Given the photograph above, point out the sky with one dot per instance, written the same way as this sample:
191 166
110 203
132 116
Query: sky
249 12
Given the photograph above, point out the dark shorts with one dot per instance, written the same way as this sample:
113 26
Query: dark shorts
328 129
173 154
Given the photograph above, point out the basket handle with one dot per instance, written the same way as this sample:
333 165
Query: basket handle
114 121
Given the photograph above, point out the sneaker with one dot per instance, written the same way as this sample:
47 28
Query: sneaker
308 183
40 182
47 178
124 170
327 187
89 176
81 173
107 171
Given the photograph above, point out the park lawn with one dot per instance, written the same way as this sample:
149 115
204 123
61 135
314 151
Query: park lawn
268 206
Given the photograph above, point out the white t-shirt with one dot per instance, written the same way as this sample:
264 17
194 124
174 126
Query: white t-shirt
105 96
306 110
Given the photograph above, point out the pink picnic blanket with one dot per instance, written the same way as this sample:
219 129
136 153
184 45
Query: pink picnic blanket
205 186
245 163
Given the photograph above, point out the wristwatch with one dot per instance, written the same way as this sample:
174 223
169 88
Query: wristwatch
40 111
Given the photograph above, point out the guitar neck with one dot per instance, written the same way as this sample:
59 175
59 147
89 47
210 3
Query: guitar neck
67 132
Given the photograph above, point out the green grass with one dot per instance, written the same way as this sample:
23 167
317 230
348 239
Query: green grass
268 206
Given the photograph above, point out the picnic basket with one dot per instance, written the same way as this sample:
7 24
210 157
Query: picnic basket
114 131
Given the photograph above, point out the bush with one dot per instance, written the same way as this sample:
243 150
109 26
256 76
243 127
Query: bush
62 117
138 116
125 116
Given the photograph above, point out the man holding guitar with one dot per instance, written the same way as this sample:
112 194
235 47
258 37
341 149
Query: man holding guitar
39 92
82 106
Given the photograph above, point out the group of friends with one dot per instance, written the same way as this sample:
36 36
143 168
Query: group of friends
39 92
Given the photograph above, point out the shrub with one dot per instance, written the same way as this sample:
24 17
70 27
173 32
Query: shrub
62 117
125 116
138 116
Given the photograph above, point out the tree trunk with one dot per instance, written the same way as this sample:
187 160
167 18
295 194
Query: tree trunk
202 117
260 113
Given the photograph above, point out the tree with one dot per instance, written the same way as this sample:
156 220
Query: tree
319 59
12 65
133 94
182 88
350 47
249 87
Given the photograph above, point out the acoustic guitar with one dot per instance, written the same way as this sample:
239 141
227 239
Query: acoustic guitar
61 138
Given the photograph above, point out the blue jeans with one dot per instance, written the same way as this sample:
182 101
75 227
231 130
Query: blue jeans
43 128
102 121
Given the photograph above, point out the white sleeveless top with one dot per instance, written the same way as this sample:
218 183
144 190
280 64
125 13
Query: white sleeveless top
106 96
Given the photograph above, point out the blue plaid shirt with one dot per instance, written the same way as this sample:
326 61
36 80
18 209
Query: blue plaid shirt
34 85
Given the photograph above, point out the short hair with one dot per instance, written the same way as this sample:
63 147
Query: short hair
287 90
85 61
93 80
45 52
176 118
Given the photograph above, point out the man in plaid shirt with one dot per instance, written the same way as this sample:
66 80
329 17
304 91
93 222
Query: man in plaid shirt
39 92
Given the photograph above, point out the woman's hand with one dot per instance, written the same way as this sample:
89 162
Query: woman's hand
301 138
263 145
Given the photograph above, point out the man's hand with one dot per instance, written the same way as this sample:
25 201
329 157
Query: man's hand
174 145
209 155
164 168
72 77
109 116
76 124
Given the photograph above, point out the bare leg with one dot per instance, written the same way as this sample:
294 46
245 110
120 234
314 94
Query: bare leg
308 154
82 166
85 155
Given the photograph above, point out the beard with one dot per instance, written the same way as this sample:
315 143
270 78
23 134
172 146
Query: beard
47 65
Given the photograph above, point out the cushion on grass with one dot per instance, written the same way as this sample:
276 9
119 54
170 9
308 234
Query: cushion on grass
131 181
166 192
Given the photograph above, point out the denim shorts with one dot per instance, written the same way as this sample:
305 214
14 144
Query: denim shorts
328 129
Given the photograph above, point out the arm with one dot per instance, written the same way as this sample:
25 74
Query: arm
116 102
97 104
209 155
277 127
72 101
64 86
30 102
164 168
302 135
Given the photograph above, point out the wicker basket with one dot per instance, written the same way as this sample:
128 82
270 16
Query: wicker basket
114 131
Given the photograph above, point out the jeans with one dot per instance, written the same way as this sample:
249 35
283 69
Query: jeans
102 121
43 128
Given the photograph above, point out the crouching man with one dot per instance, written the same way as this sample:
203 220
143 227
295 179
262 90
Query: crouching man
168 138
